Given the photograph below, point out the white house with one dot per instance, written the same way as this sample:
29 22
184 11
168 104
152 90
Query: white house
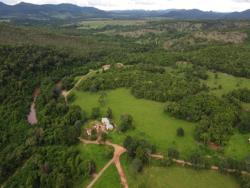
107 124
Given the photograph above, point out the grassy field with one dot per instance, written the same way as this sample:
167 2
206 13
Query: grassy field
154 125
176 177
227 83
238 146
150 121
98 24
110 179
99 154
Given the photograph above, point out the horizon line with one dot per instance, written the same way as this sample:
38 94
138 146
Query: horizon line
136 9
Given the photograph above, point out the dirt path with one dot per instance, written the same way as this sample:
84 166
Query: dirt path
118 151
100 173
65 93
32 117
183 163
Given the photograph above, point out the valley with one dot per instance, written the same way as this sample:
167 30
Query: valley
141 99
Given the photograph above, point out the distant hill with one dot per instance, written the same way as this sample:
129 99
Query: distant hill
62 12
195 14
48 11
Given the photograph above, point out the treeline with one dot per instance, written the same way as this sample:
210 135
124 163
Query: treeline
148 82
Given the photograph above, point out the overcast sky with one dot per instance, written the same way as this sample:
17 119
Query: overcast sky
215 5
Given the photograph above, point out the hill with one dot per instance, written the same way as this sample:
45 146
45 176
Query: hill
47 12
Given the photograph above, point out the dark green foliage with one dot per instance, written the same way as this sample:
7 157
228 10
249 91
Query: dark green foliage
126 123
241 94
180 132
103 136
154 86
50 167
166 162
197 160
216 116
137 165
67 83
95 113
220 58
138 149
39 149
89 167
244 181
244 122
173 153
109 113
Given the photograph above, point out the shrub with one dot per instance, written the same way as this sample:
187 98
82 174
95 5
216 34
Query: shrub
126 123
173 153
180 132
95 113
137 165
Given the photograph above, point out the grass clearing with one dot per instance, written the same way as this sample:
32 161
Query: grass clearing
110 179
226 82
101 154
150 121
176 177
238 146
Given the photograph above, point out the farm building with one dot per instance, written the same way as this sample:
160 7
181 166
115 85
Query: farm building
107 124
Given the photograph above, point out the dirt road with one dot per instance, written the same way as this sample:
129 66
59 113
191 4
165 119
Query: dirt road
118 151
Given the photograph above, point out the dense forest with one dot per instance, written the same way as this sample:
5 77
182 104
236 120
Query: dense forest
45 147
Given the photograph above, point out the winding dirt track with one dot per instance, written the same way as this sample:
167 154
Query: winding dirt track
118 151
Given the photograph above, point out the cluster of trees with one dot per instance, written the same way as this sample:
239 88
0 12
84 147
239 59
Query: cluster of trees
241 94
126 123
146 84
139 151
222 58
216 116
55 166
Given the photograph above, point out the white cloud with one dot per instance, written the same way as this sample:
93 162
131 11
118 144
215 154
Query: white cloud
215 5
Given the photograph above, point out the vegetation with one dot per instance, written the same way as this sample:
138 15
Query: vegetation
169 89
174 177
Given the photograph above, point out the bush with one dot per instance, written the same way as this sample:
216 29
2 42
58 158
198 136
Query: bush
173 153
126 123
109 113
166 162
137 165
95 113
180 132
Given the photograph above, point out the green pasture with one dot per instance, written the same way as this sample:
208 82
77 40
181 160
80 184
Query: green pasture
150 121
100 154
226 82
110 178
176 177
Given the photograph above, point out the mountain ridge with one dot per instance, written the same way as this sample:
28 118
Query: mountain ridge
67 11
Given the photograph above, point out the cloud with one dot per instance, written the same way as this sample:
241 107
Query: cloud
207 5
242 1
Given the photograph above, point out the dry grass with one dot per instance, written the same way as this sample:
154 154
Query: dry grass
225 37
